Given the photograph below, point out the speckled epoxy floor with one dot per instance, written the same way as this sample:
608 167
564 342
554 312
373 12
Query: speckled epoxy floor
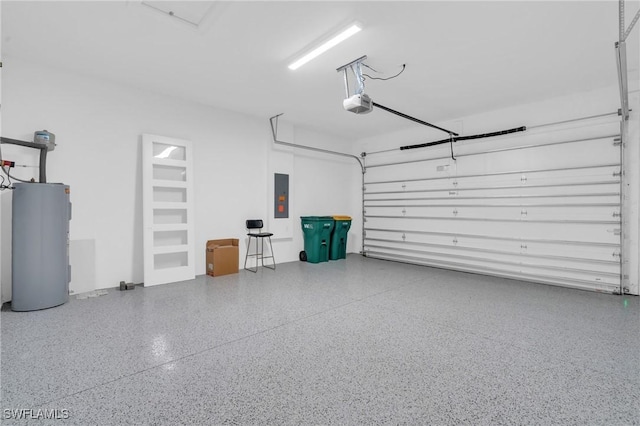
356 341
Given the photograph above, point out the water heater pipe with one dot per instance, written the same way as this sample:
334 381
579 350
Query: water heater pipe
43 154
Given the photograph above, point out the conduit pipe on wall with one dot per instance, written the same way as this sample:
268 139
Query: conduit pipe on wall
274 131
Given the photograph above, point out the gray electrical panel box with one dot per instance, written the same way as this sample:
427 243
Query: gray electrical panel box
281 196
40 246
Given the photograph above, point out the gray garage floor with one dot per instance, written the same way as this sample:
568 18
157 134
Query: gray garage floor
357 341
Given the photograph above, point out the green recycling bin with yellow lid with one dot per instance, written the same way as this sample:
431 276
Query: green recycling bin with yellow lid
317 238
339 237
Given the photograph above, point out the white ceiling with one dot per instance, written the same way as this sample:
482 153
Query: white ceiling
462 57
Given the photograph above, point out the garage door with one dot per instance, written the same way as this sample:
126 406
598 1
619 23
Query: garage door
543 205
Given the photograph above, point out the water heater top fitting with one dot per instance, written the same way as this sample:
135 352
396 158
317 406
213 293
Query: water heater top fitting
45 137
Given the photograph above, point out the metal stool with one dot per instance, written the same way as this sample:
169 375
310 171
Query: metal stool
252 225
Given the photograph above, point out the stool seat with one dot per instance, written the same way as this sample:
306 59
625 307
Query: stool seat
260 235
252 225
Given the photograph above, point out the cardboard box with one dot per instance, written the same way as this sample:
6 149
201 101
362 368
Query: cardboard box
222 257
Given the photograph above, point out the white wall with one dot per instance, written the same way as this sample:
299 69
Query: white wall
98 126
551 110
320 185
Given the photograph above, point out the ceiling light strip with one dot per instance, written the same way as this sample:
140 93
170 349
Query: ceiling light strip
325 46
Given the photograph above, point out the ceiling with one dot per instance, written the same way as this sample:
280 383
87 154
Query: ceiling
461 57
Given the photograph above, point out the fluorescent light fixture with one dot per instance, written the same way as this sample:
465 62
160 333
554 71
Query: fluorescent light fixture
325 46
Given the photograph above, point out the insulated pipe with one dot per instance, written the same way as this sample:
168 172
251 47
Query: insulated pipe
43 165
464 138
527 128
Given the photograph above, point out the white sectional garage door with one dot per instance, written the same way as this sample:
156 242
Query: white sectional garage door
543 205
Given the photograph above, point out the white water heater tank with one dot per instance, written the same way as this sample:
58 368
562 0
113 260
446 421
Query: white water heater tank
40 246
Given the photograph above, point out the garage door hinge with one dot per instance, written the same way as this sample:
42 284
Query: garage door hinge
455 240
617 232
404 237
523 213
453 192
455 183
404 185
617 214
617 142
404 212
617 174
522 246
455 212
614 254
523 178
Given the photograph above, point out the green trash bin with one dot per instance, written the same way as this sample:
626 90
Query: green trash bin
317 237
338 248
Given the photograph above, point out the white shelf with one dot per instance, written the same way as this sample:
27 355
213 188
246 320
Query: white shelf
170 249
169 206
158 183
171 227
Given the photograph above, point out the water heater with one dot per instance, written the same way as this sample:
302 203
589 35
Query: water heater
40 246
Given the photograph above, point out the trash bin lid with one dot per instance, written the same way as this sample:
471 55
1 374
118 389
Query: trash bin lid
316 218
342 217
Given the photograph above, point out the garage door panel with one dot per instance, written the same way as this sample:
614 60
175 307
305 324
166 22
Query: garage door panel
587 212
542 207
534 181
593 283
517 197
587 233
506 252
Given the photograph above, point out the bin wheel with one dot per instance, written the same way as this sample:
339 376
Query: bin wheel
303 256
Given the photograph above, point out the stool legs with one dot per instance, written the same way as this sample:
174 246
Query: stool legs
247 256
273 259
259 255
